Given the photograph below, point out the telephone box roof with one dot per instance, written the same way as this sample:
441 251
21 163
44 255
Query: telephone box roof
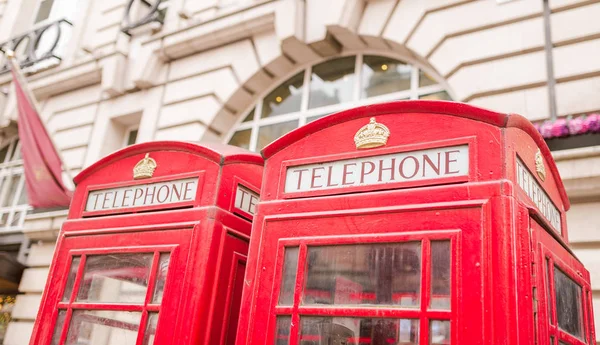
216 152
424 106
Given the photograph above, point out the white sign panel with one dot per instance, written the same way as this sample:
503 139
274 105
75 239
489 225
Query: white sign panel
375 170
536 193
245 199
159 193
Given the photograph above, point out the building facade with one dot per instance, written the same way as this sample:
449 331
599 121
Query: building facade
110 73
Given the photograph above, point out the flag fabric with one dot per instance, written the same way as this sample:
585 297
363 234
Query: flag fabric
41 161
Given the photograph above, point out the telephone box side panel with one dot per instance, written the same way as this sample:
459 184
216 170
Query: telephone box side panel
186 179
535 184
452 150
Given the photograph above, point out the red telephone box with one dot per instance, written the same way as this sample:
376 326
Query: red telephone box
154 248
413 222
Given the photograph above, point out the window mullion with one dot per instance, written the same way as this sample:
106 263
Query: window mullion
414 82
255 126
358 80
298 291
425 288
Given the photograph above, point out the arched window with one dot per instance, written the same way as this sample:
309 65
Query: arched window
329 87
13 197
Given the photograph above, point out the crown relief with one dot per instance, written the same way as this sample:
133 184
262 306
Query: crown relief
144 168
539 165
371 135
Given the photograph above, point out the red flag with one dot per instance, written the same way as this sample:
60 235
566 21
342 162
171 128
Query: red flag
42 164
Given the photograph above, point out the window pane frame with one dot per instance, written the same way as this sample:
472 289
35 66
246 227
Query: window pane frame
424 313
550 261
146 307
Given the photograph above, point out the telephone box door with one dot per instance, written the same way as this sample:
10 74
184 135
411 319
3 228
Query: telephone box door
392 275
114 294
564 296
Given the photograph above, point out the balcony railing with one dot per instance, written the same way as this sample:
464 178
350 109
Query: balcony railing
141 12
40 47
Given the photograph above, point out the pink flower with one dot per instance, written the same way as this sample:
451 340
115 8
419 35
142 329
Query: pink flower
546 129
576 126
593 123
560 128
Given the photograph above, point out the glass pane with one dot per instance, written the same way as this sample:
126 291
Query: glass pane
282 332
382 274
150 332
439 332
250 116
425 79
443 96
551 340
117 278
285 99
13 183
58 327
316 117
23 196
103 327
267 134
16 220
3 219
381 75
241 139
15 151
3 153
71 279
132 137
332 82
568 304
288 279
440 275
161 277
44 10
346 330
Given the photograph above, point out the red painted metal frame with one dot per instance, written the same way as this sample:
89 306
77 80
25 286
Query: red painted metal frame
424 314
470 141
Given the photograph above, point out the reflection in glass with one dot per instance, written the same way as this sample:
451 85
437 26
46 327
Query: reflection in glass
440 275
241 139
346 330
103 327
150 332
381 75
332 82
268 134
568 304
71 278
441 96
548 268
161 277
285 99
439 332
58 327
282 332
11 188
116 278
381 274
425 79
288 279
551 340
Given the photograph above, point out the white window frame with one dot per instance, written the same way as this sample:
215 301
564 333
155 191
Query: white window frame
11 167
305 113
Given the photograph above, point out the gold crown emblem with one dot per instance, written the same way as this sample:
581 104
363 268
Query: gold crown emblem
539 165
371 135
144 168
